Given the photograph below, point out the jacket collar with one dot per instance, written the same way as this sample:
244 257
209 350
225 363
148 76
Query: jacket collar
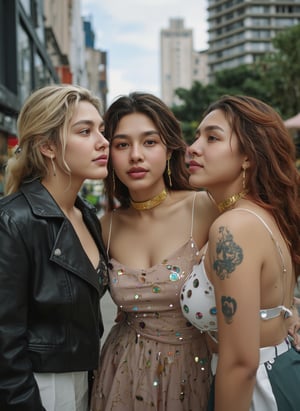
43 204
67 250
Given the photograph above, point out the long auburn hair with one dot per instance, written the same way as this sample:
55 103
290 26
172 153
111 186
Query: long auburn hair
272 179
169 130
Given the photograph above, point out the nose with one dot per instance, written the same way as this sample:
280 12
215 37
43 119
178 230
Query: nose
102 143
194 149
136 153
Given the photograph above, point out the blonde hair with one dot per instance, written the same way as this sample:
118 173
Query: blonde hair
44 118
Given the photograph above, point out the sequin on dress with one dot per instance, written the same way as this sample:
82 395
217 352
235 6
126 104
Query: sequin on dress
153 360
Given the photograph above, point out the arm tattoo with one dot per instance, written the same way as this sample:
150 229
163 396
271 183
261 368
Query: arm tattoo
229 307
229 254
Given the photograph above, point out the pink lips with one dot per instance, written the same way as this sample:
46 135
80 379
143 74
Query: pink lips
193 166
137 172
102 160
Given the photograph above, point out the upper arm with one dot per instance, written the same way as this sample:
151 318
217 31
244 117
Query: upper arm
235 267
17 383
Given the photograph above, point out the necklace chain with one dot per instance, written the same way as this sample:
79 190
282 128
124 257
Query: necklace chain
153 202
230 201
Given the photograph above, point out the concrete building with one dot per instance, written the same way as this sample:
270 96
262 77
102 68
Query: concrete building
240 31
176 59
25 65
64 25
181 65
200 67
96 64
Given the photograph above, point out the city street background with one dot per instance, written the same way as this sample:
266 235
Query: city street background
109 310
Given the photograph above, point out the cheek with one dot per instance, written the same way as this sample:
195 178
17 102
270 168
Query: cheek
118 158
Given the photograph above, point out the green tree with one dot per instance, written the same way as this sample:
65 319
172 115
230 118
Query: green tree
240 80
274 79
194 102
280 72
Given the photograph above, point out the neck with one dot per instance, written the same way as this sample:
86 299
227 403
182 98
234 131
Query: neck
63 193
230 201
153 202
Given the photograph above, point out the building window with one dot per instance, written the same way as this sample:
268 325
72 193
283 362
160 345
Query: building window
24 75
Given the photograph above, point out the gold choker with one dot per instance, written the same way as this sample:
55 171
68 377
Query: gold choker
229 202
153 202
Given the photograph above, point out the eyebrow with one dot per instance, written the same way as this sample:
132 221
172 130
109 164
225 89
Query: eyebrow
86 122
210 128
144 134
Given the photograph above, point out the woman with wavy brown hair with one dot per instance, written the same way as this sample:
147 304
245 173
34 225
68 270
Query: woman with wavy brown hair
244 284
152 359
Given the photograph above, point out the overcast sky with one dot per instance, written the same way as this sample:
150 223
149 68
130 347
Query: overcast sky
129 30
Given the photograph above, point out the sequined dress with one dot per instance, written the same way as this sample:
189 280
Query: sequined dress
153 360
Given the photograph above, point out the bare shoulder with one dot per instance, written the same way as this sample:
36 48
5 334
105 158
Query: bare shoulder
205 208
241 225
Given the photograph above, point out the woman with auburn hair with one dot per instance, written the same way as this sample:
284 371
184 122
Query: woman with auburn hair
242 291
53 266
152 359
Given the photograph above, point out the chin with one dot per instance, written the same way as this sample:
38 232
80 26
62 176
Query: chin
193 181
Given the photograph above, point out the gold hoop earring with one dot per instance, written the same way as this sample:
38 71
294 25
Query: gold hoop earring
169 172
53 166
244 177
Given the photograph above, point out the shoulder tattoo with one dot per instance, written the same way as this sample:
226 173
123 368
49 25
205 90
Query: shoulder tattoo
229 254
229 307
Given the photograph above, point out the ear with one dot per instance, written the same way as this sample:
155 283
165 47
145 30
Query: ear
48 150
169 154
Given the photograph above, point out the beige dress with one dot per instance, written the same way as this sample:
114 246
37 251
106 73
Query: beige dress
153 359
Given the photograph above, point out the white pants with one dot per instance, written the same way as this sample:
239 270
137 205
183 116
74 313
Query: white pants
263 396
63 392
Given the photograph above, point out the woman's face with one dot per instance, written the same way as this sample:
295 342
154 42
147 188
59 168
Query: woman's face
87 149
138 155
215 157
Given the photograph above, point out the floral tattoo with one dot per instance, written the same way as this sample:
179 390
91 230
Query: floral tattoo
229 254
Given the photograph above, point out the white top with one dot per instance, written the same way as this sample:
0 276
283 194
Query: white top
198 297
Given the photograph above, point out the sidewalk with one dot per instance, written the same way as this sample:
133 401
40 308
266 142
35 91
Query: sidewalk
109 311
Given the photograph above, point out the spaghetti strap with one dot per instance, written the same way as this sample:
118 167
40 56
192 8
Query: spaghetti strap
109 233
269 313
270 232
193 210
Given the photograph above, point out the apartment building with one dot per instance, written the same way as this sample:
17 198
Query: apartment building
240 31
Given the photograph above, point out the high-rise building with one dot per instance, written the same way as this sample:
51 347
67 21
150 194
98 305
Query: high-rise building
240 31
24 66
95 64
176 46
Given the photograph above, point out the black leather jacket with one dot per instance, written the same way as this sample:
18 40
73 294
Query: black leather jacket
50 318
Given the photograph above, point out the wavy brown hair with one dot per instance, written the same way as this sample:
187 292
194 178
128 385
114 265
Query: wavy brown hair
169 130
272 179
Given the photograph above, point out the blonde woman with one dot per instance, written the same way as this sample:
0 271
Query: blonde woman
52 262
